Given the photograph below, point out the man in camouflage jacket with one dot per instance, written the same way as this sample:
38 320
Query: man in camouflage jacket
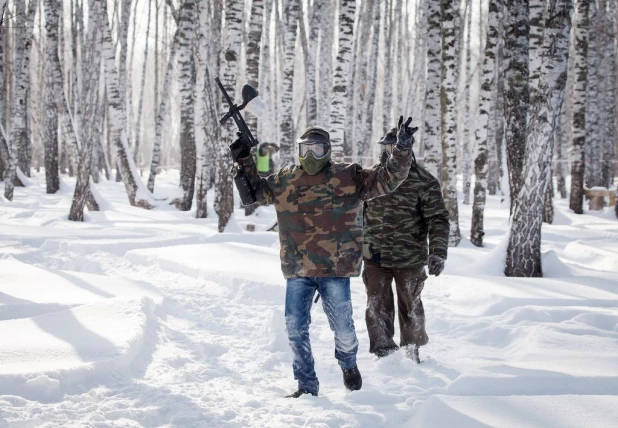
318 205
397 230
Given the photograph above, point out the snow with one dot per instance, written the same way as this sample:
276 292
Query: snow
152 318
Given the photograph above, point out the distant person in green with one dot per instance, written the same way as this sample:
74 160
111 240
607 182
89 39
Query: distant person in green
264 158
403 231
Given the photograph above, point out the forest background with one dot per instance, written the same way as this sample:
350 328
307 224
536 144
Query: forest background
512 97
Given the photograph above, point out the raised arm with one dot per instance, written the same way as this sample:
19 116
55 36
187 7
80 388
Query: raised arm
262 187
383 179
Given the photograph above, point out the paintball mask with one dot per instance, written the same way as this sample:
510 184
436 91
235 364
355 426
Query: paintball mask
387 142
314 149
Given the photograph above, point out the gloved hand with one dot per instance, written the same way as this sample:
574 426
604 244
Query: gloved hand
241 148
405 134
435 264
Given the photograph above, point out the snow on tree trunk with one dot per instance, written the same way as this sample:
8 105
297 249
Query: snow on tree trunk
325 63
516 103
186 80
18 125
90 86
484 129
339 98
580 17
140 107
431 137
136 191
230 61
161 114
448 117
523 257
592 172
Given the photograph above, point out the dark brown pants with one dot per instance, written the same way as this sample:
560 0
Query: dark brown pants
380 313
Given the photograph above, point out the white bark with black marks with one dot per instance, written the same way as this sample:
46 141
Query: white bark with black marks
339 98
582 23
432 149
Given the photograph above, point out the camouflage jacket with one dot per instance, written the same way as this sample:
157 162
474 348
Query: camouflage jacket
397 226
320 218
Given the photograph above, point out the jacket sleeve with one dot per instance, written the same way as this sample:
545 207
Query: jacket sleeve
383 179
264 187
437 219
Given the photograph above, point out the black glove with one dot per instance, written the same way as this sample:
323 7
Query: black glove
435 264
404 134
241 148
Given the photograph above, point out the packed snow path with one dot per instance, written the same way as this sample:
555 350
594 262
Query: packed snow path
151 318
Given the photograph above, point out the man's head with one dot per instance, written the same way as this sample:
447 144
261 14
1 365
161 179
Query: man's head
387 142
314 149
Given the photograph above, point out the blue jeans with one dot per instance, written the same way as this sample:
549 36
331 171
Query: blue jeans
337 304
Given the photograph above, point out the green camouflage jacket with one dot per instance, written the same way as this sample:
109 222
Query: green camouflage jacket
320 218
397 226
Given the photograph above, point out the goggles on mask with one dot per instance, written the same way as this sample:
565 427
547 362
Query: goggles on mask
319 149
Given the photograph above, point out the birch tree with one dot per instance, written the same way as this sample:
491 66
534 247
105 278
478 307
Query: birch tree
92 71
580 17
523 256
140 107
516 100
136 191
224 196
448 117
339 99
484 129
256 23
291 11
186 78
593 100
609 105
432 133
327 30
51 112
310 61
18 132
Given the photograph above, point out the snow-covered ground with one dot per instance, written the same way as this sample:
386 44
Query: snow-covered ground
152 318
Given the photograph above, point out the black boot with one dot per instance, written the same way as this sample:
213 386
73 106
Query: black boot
412 353
299 393
385 352
352 378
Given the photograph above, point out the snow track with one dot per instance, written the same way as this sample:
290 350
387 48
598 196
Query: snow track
151 318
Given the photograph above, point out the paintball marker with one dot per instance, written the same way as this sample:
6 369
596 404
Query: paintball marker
250 99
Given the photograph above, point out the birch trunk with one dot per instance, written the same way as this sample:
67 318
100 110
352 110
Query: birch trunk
266 125
291 10
517 97
92 71
161 114
253 52
465 147
593 144
432 136
387 97
310 61
18 133
326 62
140 107
186 79
137 193
609 106
580 17
224 196
358 83
523 257
51 112
4 155
448 117
339 98
484 129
